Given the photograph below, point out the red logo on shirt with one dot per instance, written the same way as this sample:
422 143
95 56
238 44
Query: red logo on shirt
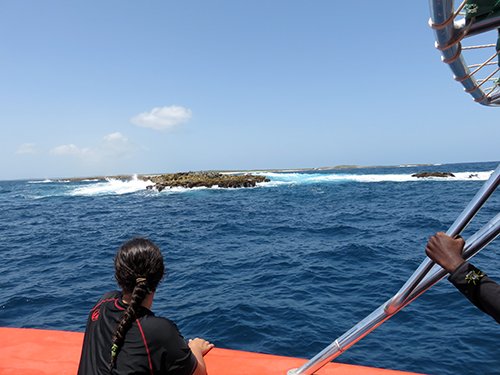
95 314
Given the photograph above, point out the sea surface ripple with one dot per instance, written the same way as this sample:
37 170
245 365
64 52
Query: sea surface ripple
284 268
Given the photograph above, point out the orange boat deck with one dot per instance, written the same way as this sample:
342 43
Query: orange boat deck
35 351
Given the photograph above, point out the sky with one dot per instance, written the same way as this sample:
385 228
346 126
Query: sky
120 87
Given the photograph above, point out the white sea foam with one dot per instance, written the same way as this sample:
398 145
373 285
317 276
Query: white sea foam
112 187
481 176
46 181
304 178
119 187
180 189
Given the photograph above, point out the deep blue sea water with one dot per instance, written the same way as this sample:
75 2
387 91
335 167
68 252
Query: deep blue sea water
283 268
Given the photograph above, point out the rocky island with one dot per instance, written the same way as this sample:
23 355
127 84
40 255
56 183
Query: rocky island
202 179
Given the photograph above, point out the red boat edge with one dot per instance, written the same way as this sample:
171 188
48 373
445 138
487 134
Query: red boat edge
26 351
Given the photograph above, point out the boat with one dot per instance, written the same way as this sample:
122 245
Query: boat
26 351
35 351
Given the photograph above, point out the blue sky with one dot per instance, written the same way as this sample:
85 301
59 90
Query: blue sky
111 87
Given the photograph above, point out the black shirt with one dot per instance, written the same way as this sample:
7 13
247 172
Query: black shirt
153 345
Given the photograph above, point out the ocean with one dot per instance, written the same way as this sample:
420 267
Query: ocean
282 268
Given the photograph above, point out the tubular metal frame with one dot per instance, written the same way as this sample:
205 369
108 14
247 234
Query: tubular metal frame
426 275
448 36
456 228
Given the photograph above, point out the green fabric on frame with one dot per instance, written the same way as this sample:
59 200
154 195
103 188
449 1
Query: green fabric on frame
482 9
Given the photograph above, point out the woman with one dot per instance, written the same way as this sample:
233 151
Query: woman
124 337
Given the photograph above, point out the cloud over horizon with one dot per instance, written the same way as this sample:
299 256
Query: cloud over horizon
70 150
26 148
163 118
112 146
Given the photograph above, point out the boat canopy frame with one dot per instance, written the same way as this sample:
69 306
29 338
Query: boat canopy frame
451 29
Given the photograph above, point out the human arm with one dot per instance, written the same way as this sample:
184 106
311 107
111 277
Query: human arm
482 291
170 352
200 347
478 288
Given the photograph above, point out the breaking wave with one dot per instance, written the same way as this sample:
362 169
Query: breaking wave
119 187
48 181
111 187
278 178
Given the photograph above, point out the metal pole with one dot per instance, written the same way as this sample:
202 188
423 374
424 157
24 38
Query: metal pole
441 11
475 244
410 290
456 228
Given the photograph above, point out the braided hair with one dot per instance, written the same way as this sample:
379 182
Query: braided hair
138 270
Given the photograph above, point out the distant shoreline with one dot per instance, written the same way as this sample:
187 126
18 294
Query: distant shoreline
237 171
247 171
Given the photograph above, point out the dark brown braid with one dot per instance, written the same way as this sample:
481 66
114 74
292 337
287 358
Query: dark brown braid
138 270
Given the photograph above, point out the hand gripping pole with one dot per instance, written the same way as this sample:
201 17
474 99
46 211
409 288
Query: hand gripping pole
426 275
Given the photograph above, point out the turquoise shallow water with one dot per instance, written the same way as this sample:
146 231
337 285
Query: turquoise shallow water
283 268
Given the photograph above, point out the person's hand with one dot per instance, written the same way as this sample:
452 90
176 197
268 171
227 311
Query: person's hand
200 345
445 251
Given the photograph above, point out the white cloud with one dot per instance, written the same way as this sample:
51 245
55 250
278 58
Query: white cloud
69 150
26 148
115 137
116 145
112 146
162 118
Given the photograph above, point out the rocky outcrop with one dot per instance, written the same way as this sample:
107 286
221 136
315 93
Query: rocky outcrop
203 179
433 174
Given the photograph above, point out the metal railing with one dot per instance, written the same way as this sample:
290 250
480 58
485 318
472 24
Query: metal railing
426 275
449 33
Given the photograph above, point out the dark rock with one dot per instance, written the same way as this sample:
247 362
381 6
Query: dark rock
433 174
203 179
